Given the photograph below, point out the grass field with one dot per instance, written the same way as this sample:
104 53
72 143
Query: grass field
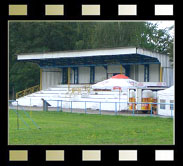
58 128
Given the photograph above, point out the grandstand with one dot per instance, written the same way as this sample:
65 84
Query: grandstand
68 75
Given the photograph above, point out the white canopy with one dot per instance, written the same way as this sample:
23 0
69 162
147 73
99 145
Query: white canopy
167 92
112 83
166 96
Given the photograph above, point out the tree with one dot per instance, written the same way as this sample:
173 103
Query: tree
29 37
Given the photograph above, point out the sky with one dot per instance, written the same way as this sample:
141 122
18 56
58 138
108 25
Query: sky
165 24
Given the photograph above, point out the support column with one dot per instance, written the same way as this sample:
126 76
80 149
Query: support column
64 75
41 79
92 74
75 75
127 70
146 73
69 77
105 67
161 74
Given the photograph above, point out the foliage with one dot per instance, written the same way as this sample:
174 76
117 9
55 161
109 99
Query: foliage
29 37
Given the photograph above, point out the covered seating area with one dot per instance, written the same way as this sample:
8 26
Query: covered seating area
92 66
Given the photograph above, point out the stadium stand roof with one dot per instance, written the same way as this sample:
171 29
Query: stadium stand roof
95 57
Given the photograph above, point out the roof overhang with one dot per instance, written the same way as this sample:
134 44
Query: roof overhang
124 56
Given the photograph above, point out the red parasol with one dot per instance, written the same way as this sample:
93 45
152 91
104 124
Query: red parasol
120 76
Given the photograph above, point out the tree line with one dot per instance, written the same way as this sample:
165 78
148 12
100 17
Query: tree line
30 37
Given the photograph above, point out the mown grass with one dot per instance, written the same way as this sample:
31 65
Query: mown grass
59 128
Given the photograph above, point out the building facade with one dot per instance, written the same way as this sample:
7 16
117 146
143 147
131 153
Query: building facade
92 66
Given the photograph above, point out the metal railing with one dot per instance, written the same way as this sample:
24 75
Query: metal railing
116 105
77 90
27 91
20 118
101 107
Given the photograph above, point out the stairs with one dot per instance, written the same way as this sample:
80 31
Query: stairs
78 95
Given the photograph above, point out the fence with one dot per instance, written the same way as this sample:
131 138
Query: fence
116 108
27 91
99 107
21 114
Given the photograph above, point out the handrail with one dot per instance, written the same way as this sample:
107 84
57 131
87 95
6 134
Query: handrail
78 90
112 102
115 102
27 91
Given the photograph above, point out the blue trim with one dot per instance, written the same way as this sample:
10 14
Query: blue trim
128 59
127 70
106 67
76 74
85 108
58 66
64 75
115 108
100 109
92 74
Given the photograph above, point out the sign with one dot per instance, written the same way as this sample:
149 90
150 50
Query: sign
151 84
117 87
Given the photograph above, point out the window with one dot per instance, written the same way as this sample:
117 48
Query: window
171 105
162 106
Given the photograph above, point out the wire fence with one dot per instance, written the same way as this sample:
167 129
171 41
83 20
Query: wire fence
116 108
22 115
101 107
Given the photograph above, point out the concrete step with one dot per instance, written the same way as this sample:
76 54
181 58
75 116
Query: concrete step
78 96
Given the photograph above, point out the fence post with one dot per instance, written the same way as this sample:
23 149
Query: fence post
57 105
115 108
171 110
71 106
100 109
44 105
17 117
85 107
61 106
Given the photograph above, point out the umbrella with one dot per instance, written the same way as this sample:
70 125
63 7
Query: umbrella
119 80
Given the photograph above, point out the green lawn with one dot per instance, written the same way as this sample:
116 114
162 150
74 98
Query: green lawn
58 128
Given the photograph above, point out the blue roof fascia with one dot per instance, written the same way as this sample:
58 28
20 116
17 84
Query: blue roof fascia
88 65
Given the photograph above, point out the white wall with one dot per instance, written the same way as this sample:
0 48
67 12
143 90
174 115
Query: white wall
111 69
71 76
137 72
84 75
154 70
100 74
168 76
141 73
132 76
134 72
115 69
167 111
51 77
